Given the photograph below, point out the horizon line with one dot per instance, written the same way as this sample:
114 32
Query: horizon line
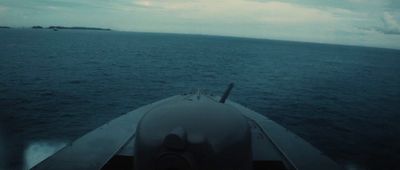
214 35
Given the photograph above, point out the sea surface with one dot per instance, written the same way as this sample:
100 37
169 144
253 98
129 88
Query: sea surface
57 85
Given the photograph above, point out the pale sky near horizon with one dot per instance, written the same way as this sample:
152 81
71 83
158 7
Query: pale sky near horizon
354 22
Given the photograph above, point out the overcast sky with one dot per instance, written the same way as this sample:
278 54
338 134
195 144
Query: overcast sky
355 22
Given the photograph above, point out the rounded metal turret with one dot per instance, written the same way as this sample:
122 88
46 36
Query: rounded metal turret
195 133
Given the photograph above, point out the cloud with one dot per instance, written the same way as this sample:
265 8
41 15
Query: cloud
239 11
3 9
390 24
276 19
143 3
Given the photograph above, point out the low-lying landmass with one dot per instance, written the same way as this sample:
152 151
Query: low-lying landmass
37 27
62 27
78 28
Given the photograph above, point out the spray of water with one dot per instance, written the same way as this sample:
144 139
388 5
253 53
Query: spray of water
38 151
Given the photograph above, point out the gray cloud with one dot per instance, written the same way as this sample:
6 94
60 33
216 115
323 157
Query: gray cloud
390 24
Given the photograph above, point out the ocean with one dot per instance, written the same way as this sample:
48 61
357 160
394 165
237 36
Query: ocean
57 85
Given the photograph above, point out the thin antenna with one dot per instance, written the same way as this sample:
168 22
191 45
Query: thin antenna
226 93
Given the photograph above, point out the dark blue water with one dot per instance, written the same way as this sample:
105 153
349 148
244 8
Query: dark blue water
58 85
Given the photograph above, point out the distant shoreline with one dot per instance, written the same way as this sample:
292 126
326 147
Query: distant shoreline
79 28
56 28
71 28
62 27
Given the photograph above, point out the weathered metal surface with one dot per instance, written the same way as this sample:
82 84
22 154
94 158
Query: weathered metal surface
195 132
300 154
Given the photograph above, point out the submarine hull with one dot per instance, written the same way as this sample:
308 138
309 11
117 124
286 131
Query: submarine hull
114 144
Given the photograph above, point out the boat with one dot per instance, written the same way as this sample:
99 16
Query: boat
195 131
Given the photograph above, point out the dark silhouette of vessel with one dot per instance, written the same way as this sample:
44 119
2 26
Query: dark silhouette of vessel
196 131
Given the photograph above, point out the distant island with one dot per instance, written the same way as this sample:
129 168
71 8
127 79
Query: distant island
74 28
63 27
37 27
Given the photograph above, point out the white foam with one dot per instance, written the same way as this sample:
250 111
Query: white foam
38 151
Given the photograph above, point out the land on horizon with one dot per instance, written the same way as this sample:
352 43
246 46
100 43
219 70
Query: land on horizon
62 27
56 28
